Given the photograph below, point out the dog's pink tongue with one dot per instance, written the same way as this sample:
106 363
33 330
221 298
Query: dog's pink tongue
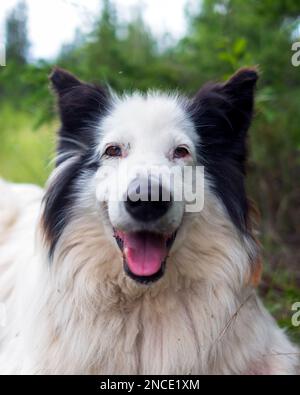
144 252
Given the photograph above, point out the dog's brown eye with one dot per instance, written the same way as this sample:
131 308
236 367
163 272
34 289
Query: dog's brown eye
113 150
181 152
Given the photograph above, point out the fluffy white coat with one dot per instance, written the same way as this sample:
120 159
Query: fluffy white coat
82 315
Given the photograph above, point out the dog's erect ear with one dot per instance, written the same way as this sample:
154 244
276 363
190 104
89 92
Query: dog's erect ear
239 92
223 112
62 80
81 106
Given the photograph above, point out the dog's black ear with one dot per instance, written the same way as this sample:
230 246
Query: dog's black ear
238 91
229 104
81 106
222 114
62 80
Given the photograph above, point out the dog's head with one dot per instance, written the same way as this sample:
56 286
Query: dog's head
124 160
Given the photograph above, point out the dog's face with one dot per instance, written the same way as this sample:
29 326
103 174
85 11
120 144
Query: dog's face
122 155
139 156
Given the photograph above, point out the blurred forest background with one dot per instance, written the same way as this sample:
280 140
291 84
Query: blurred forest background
222 36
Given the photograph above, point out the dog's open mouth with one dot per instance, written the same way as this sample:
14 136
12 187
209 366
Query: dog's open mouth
144 254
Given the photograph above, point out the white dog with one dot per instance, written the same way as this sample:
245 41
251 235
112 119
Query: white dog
94 284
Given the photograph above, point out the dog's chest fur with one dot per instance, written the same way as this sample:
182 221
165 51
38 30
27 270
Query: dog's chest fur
170 333
81 316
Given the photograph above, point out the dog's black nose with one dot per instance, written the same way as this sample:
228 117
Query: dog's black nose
147 201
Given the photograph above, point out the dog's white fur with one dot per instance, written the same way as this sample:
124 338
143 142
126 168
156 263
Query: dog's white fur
82 314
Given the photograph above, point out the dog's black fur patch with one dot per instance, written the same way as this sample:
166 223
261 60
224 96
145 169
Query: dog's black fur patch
222 114
81 107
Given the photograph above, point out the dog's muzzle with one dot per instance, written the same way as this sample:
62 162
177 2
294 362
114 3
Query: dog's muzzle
145 252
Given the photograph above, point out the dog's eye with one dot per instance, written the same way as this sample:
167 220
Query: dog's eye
180 152
113 150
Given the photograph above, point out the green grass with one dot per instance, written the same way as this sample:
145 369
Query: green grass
25 152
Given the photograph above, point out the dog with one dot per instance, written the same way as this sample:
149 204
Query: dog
98 282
